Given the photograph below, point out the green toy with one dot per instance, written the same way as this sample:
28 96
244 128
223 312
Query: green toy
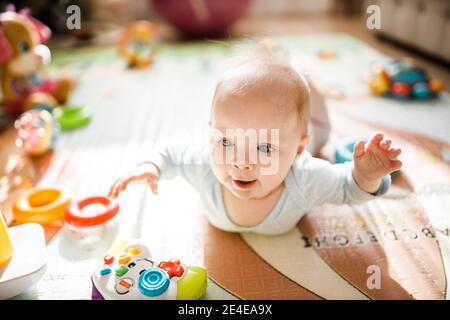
71 117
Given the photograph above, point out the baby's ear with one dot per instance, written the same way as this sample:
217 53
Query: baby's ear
306 140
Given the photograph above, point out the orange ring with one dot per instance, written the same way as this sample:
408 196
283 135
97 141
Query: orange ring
44 206
75 217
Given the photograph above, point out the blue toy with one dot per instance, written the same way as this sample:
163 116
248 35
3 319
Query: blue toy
344 151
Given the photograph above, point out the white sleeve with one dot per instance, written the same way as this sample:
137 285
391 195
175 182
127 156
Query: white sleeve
321 182
191 163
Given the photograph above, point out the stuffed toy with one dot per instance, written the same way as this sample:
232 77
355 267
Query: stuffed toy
22 57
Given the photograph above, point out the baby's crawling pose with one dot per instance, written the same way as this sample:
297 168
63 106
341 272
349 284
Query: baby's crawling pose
256 175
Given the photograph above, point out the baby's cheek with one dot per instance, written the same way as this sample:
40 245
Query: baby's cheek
218 154
219 171
275 166
268 184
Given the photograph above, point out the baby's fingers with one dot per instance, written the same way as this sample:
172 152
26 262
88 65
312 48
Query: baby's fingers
114 191
394 152
153 186
145 178
120 186
358 149
396 165
376 138
125 183
385 143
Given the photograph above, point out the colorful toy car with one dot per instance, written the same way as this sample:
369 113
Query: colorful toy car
128 272
403 79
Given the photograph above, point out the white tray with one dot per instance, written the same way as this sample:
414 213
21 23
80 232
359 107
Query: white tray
28 263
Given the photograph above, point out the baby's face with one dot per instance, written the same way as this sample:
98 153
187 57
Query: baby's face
254 142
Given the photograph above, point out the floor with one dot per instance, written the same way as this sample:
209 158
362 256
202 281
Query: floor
271 26
266 26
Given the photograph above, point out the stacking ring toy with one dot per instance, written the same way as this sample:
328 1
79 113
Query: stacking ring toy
44 206
70 117
76 217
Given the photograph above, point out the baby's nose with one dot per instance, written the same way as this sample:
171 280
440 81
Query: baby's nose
243 166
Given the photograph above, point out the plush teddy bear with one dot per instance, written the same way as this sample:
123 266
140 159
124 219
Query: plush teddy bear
22 56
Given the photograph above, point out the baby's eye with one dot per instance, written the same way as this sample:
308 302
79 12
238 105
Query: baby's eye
226 142
265 148
23 47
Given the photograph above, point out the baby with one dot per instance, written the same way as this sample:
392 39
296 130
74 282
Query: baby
257 175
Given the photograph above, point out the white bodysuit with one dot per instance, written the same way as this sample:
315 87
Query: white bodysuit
310 182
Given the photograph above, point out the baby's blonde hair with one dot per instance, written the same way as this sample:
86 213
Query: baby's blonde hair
263 67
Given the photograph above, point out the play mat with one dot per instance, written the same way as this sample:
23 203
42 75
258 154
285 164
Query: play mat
405 234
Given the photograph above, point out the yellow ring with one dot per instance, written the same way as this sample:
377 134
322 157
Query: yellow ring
44 206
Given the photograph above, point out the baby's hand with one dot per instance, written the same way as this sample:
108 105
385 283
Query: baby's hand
147 173
374 160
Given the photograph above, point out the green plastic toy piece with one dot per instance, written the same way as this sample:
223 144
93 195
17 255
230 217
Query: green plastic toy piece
71 117
193 284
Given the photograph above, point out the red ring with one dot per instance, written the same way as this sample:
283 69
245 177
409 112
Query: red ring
75 217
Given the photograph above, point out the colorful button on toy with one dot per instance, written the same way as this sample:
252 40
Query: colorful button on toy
105 271
126 283
133 251
153 282
124 259
121 271
108 259
123 286
173 268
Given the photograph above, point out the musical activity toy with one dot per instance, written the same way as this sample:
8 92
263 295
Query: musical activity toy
129 272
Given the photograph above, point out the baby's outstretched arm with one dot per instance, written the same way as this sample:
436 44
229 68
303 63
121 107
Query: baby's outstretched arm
374 160
166 162
146 172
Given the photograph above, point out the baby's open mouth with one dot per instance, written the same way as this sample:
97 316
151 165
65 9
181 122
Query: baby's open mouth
243 184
